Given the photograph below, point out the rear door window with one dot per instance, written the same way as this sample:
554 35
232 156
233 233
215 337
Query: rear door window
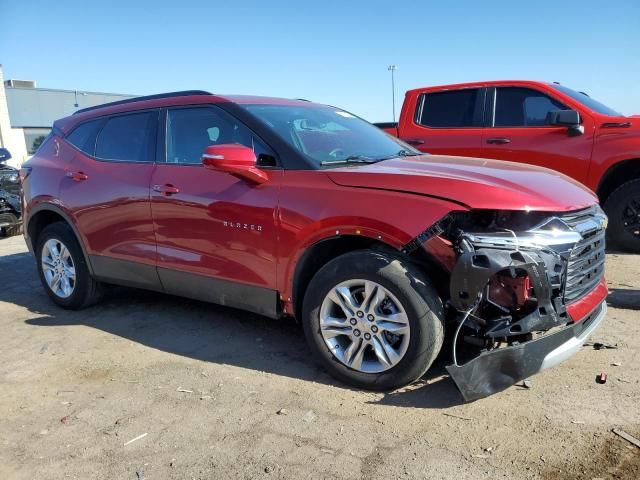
128 138
523 107
451 109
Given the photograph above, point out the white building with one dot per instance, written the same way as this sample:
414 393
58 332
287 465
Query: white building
27 113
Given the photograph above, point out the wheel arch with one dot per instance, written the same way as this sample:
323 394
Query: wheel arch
322 251
46 214
616 175
317 255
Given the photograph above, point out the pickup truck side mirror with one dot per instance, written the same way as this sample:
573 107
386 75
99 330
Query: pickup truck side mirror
4 155
566 118
235 159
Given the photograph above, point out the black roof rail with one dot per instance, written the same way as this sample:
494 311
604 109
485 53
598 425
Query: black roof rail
183 93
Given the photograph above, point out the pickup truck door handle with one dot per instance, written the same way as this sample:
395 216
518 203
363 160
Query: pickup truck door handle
498 140
415 142
166 190
77 176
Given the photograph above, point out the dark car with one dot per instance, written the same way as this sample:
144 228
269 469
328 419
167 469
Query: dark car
10 221
291 208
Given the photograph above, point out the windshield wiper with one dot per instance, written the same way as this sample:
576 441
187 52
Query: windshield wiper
401 153
350 159
407 153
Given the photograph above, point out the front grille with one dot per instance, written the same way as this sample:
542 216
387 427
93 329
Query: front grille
585 266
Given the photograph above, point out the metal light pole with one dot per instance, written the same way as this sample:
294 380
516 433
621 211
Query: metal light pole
392 68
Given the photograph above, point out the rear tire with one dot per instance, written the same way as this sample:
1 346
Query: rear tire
12 230
74 288
623 209
396 281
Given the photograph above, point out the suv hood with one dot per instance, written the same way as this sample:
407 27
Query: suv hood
472 182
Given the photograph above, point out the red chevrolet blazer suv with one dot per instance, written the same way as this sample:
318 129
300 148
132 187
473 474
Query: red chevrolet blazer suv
290 208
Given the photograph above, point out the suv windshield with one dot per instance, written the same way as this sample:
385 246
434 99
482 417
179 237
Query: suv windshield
587 101
328 135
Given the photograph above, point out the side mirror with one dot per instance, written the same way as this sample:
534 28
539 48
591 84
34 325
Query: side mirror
4 155
235 159
566 118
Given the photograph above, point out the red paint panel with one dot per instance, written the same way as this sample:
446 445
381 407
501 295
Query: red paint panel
585 305
475 183
111 207
313 207
216 225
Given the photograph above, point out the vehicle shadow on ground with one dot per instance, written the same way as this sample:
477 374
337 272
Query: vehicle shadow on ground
628 299
201 331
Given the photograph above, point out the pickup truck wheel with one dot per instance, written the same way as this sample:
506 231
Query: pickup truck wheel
373 320
623 209
63 270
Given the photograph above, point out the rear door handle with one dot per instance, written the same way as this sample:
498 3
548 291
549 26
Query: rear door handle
166 190
77 176
498 140
415 142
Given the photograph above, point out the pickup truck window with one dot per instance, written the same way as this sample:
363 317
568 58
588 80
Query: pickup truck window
328 135
587 101
451 109
523 107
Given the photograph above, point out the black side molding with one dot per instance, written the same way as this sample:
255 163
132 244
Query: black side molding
260 300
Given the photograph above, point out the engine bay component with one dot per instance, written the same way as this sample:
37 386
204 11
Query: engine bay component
531 302
508 287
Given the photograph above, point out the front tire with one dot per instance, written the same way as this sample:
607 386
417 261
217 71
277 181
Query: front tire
373 320
63 270
623 209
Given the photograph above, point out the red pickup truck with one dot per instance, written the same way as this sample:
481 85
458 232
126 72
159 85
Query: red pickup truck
545 124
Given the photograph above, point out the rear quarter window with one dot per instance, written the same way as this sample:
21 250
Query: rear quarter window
128 138
83 137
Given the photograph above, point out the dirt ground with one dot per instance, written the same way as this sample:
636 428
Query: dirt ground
157 387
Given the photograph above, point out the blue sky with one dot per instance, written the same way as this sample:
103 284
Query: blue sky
333 52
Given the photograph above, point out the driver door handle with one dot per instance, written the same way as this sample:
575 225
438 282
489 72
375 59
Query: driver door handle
167 190
77 176
498 140
415 142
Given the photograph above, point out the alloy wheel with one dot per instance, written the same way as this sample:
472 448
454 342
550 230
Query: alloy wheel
364 325
58 268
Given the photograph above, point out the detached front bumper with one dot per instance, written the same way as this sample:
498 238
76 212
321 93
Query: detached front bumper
496 370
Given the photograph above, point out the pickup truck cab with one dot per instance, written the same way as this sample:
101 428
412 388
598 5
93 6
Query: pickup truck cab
544 124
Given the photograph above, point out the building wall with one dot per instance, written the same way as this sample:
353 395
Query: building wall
10 138
27 114
40 107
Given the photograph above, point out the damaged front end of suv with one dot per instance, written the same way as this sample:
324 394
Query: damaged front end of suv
518 280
